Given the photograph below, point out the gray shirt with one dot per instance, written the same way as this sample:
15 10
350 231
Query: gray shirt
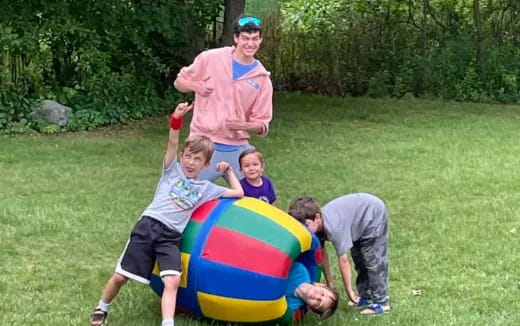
353 217
176 197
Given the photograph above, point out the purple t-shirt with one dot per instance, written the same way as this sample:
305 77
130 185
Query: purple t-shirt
264 192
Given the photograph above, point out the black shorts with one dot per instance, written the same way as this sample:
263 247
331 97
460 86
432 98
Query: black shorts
150 240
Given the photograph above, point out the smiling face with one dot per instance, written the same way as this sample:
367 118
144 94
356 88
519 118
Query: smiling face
252 166
193 163
319 298
246 46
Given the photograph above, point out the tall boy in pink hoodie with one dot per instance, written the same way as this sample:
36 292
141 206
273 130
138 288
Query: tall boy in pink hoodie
233 95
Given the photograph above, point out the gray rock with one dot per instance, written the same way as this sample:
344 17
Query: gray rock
50 112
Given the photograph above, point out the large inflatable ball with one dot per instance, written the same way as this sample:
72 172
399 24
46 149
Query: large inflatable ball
236 256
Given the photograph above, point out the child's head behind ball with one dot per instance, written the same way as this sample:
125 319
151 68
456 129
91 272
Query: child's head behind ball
251 163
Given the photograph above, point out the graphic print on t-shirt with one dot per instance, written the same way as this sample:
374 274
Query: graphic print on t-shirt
185 194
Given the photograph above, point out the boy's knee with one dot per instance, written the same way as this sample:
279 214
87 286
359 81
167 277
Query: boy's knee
171 281
119 278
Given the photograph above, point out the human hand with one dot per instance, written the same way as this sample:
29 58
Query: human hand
203 89
182 109
353 301
236 125
223 167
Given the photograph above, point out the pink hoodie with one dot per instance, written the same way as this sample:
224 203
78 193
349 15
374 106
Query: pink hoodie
247 99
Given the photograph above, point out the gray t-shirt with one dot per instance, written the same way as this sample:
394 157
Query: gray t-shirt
353 217
176 197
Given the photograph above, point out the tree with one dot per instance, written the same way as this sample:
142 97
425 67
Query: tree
479 38
233 9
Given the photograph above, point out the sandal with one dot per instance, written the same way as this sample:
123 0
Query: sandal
362 303
376 309
98 317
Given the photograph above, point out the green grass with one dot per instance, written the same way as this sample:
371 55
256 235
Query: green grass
447 171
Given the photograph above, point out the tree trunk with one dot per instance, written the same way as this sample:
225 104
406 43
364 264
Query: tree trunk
419 87
197 36
233 9
478 39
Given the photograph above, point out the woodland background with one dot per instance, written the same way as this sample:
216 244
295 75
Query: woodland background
114 60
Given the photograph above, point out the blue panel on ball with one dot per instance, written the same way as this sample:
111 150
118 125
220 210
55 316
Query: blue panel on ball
229 281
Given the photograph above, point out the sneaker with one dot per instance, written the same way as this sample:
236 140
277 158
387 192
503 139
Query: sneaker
376 309
362 303
98 317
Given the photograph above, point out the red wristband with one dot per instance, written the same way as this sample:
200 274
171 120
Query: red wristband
175 123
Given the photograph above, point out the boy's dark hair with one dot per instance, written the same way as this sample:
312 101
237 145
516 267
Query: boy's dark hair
304 208
249 27
325 314
200 144
250 151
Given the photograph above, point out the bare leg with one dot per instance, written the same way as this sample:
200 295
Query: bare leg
169 296
113 286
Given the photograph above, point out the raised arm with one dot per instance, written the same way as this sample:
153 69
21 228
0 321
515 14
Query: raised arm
175 127
235 189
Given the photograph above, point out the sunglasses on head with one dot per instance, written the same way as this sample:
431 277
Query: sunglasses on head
246 20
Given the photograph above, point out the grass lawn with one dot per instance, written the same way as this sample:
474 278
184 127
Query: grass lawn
447 171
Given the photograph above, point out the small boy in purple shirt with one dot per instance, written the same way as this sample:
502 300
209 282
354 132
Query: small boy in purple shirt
255 184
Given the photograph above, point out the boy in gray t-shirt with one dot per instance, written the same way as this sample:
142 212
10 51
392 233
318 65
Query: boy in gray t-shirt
357 223
157 234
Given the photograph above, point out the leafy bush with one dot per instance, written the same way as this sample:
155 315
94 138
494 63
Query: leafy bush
379 85
108 60
14 110
381 48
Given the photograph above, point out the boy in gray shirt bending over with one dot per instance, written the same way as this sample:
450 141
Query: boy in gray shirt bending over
157 234
357 223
